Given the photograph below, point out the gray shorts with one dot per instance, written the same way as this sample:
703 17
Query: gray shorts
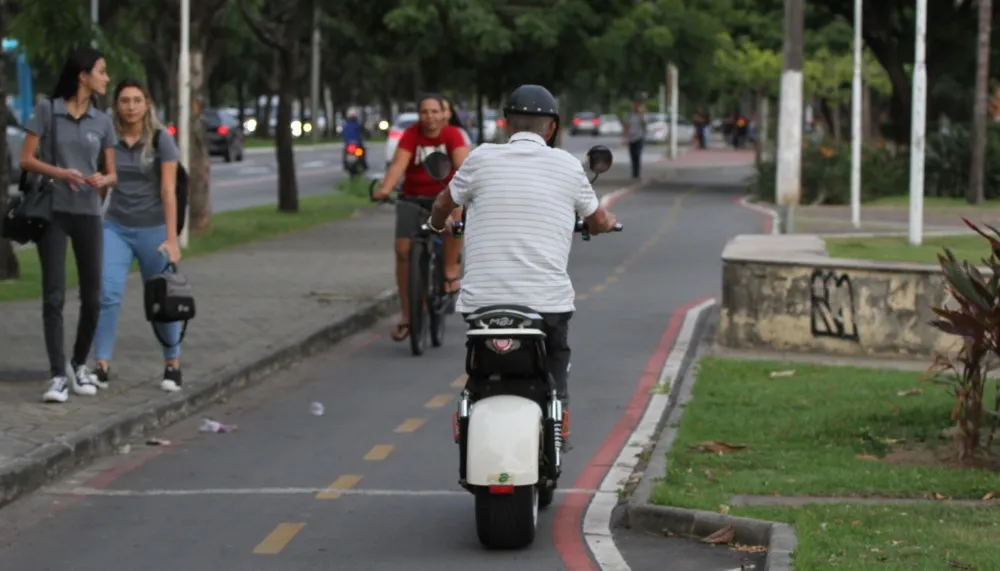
409 217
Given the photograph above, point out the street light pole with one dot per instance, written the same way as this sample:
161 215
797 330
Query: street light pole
184 121
314 93
856 89
94 19
674 91
918 127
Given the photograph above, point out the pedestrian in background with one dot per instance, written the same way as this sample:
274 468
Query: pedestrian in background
635 135
83 136
140 223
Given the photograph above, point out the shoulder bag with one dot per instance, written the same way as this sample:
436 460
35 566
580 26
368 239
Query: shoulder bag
30 213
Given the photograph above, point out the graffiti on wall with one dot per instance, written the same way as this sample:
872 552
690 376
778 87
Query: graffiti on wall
832 305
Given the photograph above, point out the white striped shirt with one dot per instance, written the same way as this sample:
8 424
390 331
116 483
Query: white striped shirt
521 199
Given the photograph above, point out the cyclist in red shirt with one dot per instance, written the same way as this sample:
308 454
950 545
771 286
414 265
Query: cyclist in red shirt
431 133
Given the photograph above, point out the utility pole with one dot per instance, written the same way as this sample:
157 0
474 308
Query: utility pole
314 93
184 121
789 159
975 194
674 104
918 127
856 88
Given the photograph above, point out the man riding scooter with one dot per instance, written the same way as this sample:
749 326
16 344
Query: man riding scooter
353 133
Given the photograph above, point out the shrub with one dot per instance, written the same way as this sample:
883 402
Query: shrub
977 321
826 169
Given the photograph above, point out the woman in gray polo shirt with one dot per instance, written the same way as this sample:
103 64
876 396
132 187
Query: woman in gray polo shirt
140 222
83 134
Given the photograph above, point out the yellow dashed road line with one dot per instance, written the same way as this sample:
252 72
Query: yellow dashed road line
438 401
379 452
460 381
410 425
345 482
280 537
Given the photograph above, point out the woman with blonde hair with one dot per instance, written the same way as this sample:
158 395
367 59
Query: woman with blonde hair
140 222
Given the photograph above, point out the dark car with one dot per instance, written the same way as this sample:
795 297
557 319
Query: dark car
585 122
223 134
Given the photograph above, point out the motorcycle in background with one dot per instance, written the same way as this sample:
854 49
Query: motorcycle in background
354 158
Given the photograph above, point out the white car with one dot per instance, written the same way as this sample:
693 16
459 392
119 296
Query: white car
402 121
609 125
658 129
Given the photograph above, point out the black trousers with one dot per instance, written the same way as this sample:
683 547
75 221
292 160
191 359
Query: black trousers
87 236
556 328
635 153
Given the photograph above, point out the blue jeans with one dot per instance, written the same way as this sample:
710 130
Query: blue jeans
123 244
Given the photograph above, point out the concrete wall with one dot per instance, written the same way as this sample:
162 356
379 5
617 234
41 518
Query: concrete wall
785 293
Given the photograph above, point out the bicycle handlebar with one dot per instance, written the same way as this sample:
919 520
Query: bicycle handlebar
582 229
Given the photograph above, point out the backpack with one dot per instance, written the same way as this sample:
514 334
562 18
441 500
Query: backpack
181 187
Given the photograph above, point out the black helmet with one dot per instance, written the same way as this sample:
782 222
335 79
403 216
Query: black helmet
534 100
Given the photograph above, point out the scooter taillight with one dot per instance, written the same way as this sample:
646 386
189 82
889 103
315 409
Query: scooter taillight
502 346
501 490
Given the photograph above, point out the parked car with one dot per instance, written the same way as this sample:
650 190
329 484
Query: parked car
658 129
223 134
586 122
15 142
402 121
609 125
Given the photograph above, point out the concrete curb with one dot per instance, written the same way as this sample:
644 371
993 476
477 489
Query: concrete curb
49 461
642 515
750 203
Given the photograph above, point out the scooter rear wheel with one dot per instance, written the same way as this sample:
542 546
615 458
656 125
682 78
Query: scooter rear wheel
507 521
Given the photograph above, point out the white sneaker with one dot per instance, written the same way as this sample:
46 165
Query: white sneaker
58 390
82 380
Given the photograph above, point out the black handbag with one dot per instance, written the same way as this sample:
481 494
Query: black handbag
168 298
30 213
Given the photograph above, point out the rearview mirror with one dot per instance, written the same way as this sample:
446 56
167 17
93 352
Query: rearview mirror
599 159
438 165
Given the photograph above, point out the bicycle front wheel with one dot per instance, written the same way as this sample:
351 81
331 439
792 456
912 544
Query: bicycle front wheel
417 280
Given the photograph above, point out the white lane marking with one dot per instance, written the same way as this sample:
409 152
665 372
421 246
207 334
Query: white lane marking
775 218
597 518
84 491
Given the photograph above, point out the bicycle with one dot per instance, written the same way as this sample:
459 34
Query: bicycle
426 280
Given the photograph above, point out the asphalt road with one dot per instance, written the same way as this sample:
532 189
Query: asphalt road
247 500
255 180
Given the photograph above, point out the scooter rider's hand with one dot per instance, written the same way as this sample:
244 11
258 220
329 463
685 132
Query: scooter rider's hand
608 225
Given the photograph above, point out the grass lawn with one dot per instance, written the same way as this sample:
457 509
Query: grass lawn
897 249
233 228
890 538
833 431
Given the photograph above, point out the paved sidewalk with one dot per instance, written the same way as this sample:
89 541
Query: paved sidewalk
257 306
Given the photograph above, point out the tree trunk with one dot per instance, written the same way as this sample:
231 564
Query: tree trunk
288 190
975 194
9 268
199 169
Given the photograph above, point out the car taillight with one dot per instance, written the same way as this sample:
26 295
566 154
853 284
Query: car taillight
499 122
577 121
395 134
172 130
596 121
358 152
222 130
351 149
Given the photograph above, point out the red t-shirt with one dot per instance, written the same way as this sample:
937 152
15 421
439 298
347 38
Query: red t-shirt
417 182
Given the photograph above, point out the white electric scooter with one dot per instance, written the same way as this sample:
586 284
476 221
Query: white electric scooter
510 421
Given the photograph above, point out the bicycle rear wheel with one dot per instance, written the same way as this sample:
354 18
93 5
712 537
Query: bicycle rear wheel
417 295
